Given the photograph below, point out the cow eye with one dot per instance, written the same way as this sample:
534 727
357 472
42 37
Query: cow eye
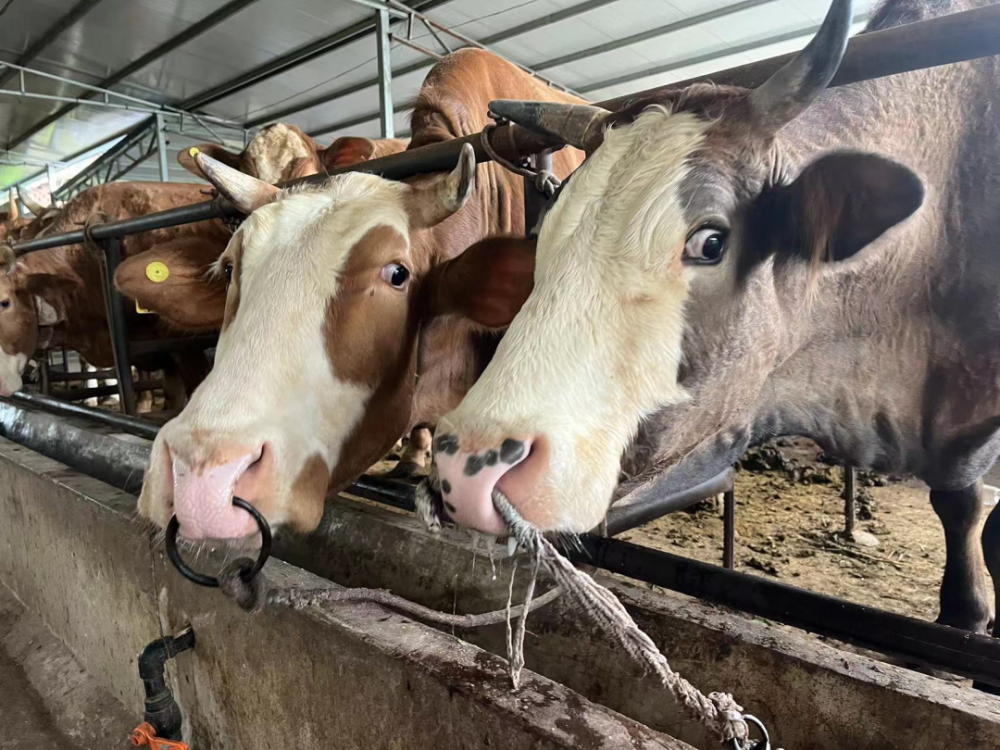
396 274
705 246
228 268
5 304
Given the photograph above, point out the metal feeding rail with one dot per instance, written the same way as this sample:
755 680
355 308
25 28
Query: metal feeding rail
955 38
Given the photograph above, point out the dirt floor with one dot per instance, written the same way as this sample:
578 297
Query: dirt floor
790 526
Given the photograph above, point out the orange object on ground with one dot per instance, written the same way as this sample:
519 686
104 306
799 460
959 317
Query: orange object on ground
145 736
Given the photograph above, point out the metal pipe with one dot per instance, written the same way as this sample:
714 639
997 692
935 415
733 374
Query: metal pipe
414 46
729 530
131 425
850 475
161 149
534 199
624 517
117 325
213 209
384 50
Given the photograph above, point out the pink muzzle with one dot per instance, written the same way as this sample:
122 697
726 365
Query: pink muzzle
203 500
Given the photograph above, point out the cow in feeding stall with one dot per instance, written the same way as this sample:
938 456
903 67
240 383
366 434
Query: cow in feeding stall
53 297
346 319
732 265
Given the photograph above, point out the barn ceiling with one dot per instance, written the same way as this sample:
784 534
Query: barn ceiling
313 62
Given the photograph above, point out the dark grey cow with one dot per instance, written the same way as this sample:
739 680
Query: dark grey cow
729 266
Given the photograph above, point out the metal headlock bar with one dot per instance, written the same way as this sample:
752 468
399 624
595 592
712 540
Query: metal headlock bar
968 654
955 38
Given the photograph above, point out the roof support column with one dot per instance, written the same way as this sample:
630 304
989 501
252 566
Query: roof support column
161 149
384 43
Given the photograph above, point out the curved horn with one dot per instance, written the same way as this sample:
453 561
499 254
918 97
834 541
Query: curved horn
243 191
578 125
8 260
12 213
34 206
787 93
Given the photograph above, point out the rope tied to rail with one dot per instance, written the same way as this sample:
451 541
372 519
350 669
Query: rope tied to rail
545 181
719 712
244 581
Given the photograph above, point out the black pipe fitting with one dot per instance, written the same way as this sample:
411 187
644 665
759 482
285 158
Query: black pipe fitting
162 711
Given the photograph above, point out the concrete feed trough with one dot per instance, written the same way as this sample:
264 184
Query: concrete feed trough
358 675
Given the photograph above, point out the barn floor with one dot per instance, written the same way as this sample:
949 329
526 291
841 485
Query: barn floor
789 524
25 722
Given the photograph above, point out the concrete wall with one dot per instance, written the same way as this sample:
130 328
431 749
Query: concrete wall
811 695
351 676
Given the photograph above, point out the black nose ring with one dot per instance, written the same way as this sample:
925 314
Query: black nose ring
211 581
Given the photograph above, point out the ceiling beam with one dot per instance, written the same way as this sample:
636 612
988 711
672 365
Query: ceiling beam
48 36
503 36
708 57
292 59
643 36
191 32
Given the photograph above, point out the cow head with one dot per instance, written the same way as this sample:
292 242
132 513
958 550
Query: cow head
315 366
26 308
180 292
281 153
661 271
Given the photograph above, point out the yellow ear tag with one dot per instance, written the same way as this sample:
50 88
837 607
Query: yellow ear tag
157 272
194 151
141 310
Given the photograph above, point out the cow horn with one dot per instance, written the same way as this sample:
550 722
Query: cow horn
787 93
243 191
579 125
8 260
12 212
34 206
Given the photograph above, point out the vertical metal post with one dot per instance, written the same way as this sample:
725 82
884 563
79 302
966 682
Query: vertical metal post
161 149
850 475
117 325
729 529
44 383
50 173
534 199
384 73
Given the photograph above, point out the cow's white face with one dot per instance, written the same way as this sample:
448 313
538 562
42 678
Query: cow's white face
317 343
678 239
596 346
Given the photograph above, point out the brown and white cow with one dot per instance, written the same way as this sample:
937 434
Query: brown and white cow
731 265
341 327
55 295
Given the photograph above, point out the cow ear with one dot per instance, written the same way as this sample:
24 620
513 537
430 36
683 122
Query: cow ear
344 152
172 280
185 157
841 203
431 203
487 284
50 294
